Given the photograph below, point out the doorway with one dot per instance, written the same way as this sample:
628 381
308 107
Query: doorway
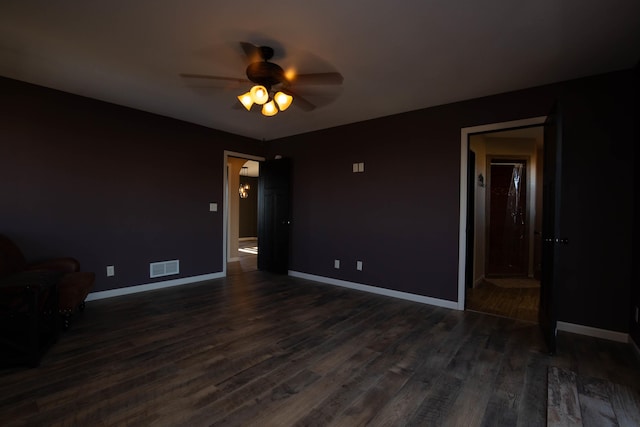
505 189
240 213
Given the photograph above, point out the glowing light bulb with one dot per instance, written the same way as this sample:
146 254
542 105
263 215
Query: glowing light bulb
269 109
246 100
290 74
259 94
283 100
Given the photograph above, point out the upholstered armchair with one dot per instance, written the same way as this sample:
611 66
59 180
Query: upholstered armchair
29 319
12 261
71 285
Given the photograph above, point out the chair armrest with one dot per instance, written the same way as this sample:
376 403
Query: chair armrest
66 264
73 289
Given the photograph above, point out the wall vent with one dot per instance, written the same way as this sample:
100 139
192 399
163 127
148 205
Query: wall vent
164 268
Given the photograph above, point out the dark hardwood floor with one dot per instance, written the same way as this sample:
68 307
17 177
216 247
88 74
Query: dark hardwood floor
510 297
260 349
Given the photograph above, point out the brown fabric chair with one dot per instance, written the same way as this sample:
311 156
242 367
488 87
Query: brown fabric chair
72 288
29 319
12 260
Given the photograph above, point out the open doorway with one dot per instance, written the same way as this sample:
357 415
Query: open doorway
504 215
241 213
247 219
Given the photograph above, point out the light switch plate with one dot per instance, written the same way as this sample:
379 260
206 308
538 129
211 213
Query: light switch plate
360 167
213 207
355 167
359 265
336 263
111 271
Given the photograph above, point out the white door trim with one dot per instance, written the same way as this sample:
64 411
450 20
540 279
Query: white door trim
464 147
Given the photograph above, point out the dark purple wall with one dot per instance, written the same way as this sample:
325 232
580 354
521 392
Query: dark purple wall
110 185
401 217
115 186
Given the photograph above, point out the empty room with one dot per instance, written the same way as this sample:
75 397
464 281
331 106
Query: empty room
343 213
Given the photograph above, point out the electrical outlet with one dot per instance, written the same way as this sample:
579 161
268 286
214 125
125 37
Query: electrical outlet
359 265
336 263
111 271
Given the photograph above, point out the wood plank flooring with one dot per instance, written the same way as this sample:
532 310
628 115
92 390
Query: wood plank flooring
260 349
512 298
575 400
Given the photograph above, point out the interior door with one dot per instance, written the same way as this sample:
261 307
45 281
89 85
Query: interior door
550 227
508 238
274 207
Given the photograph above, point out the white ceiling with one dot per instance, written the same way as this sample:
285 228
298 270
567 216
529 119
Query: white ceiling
395 56
253 168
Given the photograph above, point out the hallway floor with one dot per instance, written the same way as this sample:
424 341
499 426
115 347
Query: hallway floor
248 253
515 298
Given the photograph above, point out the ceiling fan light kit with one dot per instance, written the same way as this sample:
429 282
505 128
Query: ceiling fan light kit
260 95
268 78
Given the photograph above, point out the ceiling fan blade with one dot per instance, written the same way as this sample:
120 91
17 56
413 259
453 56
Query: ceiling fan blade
299 101
252 52
206 76
317 79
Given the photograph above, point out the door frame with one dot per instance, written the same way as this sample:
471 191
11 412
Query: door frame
464 147
225 190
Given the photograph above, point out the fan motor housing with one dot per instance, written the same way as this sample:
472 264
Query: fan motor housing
265 73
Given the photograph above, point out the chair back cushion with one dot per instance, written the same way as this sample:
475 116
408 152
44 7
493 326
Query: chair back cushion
11 258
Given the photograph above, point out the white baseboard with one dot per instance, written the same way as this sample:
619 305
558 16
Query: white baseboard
152 286
593 332
376 290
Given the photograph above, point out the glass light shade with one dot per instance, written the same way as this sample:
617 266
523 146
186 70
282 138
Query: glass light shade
283 100
243 192
269 109
246 100
259 94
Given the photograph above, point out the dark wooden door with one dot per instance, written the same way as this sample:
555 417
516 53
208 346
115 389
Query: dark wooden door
471 218
547 314
508 240
274 210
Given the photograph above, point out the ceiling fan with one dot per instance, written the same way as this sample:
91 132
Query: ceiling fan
274 89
